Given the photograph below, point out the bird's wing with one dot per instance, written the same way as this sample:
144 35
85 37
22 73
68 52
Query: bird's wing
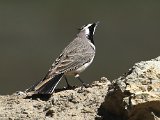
76 54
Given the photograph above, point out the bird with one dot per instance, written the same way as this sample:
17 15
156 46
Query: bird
73 60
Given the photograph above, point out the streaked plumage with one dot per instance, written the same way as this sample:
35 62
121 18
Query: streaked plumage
73 60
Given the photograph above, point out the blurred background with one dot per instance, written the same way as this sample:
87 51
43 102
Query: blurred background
33 34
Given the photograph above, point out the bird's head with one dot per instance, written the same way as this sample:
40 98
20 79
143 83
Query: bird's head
88 31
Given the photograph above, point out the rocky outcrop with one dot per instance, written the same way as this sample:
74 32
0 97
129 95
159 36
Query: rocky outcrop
133 96
78 104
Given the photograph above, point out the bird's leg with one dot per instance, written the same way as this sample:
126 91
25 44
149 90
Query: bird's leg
84 84
68 85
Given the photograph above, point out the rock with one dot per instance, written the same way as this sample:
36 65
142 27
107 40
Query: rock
78 104
135 95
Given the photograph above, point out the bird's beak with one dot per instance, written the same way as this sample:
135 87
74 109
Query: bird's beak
97 23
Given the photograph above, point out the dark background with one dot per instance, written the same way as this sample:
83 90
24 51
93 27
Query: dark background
33 34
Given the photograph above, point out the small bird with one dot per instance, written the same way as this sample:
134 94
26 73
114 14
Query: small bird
74 59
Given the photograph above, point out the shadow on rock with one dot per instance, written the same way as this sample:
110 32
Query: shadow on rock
113 108
46 97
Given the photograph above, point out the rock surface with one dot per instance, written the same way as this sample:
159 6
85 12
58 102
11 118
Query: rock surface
136 94
78 104
133 96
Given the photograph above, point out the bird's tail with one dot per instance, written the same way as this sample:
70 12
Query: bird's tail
46 86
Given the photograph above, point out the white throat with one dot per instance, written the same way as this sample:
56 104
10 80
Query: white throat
86 29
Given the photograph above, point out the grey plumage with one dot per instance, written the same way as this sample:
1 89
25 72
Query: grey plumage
74 59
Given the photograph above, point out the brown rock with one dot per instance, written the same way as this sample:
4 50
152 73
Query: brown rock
136 94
